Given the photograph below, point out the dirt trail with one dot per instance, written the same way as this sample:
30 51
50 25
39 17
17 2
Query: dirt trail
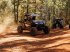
57 41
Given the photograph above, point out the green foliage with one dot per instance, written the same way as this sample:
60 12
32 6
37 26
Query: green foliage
3 5
45 8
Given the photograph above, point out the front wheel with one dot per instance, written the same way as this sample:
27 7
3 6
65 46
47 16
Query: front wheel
20 29
69 26
33 31
46 30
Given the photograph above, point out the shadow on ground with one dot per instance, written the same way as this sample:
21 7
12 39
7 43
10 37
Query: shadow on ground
52 33
37 46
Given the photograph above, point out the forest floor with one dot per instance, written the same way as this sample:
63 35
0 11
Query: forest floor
58 40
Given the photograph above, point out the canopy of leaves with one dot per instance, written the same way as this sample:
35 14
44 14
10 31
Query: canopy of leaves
45 8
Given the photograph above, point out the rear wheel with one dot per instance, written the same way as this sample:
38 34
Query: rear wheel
46 30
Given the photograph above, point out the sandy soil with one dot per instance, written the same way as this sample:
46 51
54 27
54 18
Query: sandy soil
57 41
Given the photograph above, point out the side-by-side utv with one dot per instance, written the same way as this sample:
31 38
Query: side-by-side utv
57 23
34 26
